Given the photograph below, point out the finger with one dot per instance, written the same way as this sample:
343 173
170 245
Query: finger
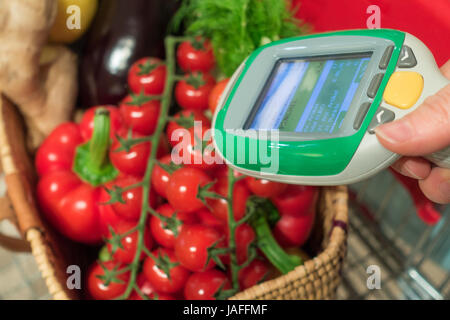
413 167
421 132
436 186
445 69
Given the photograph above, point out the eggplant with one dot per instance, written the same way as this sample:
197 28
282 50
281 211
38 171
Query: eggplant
123 32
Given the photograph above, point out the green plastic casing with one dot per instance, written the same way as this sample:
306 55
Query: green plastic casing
312 157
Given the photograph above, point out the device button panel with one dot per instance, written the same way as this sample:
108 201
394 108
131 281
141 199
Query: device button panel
386 58
407 58
374 85
382 115
361 115
403 89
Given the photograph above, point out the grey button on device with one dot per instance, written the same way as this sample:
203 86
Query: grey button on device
361 115
374 85
407 58
386 57
381 116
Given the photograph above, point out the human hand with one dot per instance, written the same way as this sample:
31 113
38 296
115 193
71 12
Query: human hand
423 131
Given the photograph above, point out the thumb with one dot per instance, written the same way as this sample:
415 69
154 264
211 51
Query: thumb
421 132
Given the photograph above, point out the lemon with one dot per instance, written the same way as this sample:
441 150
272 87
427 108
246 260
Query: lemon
72 20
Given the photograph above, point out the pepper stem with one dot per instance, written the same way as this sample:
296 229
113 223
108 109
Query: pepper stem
99 143
91 161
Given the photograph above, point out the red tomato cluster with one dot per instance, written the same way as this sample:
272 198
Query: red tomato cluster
185 223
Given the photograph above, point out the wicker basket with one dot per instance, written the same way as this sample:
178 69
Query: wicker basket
318 278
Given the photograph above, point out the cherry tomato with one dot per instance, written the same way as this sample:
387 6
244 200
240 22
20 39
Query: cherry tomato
133 162
256 272
163 147
147 75
191 246
129 242
87 122
219 207
161 233
297 200
196 55
196 149
292 231
96 286
183 189
193 92
144 286
160 177
221 172
49 156
216 93
147 288
244 237
265 188
184 120
155 272
108 216
204 285
208 219
154 296
140 114
131 209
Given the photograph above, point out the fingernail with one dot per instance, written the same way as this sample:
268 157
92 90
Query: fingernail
397 131
411 173
444 187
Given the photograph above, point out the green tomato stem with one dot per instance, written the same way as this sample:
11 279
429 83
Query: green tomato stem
146 185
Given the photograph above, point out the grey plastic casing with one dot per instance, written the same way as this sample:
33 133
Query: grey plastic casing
370 157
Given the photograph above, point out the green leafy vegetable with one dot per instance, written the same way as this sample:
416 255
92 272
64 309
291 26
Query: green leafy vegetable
237 27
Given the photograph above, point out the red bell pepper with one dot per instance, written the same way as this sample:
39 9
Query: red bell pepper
74 168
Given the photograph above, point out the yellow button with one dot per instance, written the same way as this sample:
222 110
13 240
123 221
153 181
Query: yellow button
403 89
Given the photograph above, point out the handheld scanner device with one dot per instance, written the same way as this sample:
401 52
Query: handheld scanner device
303 110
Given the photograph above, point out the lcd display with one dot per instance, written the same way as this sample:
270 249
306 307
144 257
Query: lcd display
309 95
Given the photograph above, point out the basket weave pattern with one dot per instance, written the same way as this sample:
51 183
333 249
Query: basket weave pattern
318 278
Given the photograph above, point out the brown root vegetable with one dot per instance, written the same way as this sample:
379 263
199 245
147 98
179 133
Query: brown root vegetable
41 82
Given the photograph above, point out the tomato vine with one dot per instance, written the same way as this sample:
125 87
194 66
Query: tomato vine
170 43
166 98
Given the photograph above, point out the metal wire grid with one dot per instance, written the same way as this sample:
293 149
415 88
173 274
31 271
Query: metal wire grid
414 259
